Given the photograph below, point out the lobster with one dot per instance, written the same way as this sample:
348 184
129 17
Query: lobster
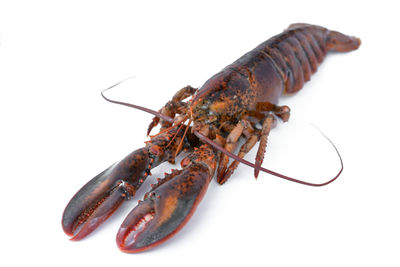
240 102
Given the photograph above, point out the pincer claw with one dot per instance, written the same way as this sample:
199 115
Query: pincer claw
96 201
101 196
165 209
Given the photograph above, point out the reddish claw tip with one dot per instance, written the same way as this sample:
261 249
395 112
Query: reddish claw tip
152 223
128 237
165 210
80 218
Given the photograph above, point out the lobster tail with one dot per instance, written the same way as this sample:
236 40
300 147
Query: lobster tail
299 50
326 39
337 41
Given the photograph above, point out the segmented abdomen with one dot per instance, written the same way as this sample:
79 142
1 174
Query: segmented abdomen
297 52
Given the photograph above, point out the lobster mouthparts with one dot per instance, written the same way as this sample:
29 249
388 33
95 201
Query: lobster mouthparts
165 209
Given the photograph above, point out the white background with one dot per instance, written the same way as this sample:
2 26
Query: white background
57 132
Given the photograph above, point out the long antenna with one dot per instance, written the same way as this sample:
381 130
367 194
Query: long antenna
248 163
155 113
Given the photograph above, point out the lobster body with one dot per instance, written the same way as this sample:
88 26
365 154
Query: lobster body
241 101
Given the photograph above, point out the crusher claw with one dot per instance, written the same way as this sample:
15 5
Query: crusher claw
169 205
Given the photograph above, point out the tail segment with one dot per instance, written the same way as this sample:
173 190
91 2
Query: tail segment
337 41
302 48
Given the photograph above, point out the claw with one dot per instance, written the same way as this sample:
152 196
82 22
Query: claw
100 197
167 207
